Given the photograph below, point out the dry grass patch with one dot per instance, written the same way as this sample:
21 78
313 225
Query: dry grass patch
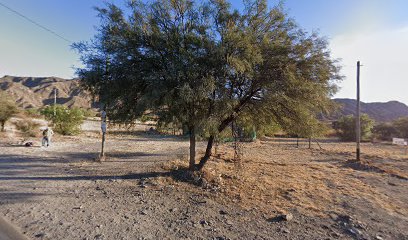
277 179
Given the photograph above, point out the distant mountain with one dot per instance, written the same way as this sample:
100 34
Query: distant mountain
379 111
35 92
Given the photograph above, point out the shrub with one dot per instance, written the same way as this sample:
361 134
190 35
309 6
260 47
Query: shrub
146 117
8 109
67 120
385 131
33 112
401 126
346 127
27 127
89 113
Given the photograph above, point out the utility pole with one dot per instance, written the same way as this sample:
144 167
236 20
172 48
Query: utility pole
103 116
103 128
358 129
55 101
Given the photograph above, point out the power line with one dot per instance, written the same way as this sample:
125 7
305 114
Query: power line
35 23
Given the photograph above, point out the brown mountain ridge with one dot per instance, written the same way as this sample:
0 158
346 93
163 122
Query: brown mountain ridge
379 111
36 92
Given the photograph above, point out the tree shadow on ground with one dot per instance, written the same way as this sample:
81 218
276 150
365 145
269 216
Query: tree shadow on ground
7 159
127 155
14 197
146 136
369 163
112 156
132 176
22 145
19 165
370 167
184 174
68 157
335 157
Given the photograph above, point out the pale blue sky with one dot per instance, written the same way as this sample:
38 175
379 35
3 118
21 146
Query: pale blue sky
373 31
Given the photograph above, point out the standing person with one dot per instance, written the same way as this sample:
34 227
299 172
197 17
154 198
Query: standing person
47 135
50 133
44 140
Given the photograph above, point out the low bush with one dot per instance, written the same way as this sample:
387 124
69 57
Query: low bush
67 121
27 127
346 128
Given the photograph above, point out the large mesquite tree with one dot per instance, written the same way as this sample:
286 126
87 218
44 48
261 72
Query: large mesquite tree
206 65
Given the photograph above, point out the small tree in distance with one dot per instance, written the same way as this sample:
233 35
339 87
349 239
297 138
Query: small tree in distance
311 128
346 128
8 109
385 131
401 126
27 127
67 120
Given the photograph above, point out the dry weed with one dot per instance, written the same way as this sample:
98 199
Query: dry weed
278 179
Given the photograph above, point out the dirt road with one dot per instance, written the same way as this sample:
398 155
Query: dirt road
10 232
61 193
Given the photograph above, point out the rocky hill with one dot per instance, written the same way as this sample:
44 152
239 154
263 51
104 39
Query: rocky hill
379 111
35 92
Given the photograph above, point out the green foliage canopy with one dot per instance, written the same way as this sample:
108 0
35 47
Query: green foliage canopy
67 120
8 109
346 127
205 64
27 127
401 126
385 131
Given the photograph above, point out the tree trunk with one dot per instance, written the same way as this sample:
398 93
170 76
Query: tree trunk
207 155
221 128
2 125
192 148
310 142
102 157
210 143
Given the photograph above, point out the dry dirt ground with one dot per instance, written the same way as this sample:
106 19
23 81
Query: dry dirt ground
60 192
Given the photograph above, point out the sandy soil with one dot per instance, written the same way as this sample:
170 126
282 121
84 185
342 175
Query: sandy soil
366 201
62 193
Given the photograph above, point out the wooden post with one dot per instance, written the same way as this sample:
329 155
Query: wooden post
192 148
318 144
216 146
358 128
103 145
103 128
103 113
55 101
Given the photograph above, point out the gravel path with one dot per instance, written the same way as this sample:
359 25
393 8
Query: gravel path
10 232
61 193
